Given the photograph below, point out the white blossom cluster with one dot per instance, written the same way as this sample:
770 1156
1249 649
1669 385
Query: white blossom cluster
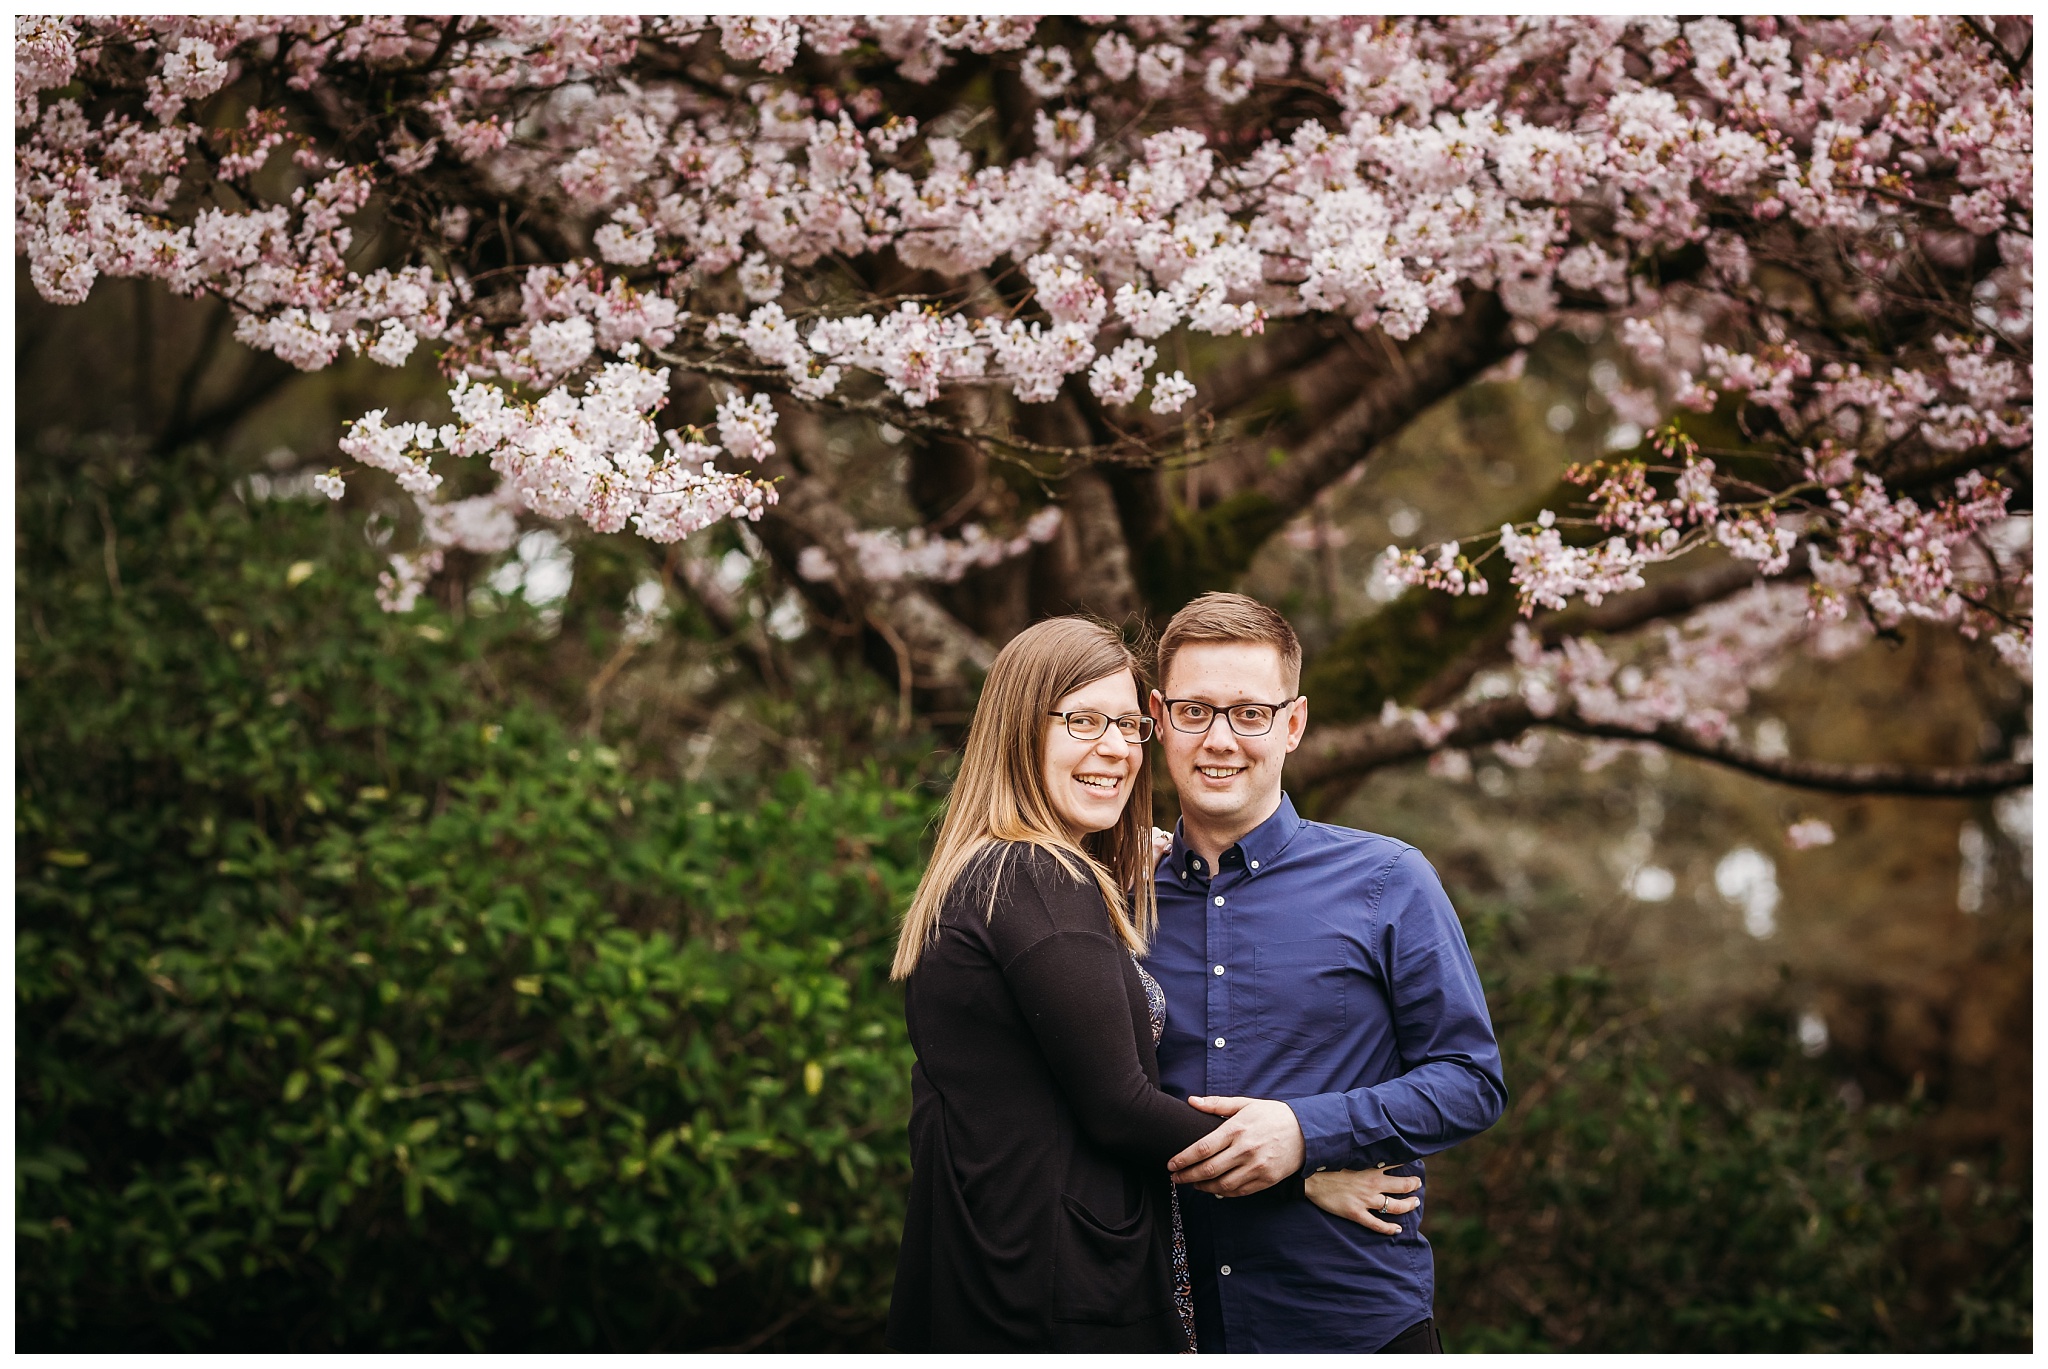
1702 676
887 555
596 457
1557 162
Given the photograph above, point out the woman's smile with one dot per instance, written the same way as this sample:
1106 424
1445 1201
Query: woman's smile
1089 779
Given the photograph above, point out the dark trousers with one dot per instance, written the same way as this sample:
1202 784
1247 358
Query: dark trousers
1419 1339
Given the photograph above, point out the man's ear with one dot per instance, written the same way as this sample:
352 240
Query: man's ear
1297 722
1156 706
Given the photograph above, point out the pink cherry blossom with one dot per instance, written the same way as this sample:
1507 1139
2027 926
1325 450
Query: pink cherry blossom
887 555
1171 393
773 226
1118 377
1047 72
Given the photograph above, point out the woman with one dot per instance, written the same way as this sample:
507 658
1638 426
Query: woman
1041 1216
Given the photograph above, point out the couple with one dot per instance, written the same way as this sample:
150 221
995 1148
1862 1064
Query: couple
1165 1102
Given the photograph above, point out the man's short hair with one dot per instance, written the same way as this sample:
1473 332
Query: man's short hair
1231 618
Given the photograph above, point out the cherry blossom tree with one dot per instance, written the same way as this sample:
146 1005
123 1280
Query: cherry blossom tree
1069 264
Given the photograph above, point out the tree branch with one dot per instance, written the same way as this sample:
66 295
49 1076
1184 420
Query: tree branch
1101 581
1340 755
1622 613
1094 569
1282 351
1343 755
2016 65
724 614
1210 547
1442 358
262 377
187 393
1920 781
1129 449
945 653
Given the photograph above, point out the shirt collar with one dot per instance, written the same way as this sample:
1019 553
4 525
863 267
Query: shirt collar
1255 851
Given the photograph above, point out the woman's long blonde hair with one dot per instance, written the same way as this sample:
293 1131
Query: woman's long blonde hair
1000 795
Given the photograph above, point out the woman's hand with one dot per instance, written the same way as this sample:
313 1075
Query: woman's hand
1365 1196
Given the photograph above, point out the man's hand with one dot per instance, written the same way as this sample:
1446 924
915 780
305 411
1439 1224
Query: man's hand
1258 1147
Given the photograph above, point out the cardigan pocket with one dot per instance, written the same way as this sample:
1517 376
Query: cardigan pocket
1108 1231
1100 1269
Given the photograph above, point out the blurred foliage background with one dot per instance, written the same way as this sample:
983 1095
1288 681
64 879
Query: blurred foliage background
512 973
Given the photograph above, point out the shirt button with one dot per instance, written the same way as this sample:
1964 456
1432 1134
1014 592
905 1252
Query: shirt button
1219 900
1219 1043
1225 1269
1219 969
1255 865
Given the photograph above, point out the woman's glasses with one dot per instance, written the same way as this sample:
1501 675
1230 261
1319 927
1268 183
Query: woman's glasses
1246 720
1087 725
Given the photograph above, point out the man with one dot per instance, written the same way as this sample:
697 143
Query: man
1315 964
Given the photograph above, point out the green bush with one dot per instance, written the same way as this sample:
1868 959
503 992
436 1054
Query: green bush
356 1007
1710 1191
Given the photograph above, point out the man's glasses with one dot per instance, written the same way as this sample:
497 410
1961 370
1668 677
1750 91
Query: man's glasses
1246 720
1086 725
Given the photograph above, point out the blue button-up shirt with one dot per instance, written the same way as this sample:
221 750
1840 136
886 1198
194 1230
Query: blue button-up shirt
1325 967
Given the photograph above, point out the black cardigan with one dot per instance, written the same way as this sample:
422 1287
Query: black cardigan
1038 1216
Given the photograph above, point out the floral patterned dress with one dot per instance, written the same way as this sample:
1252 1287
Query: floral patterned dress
1183 1284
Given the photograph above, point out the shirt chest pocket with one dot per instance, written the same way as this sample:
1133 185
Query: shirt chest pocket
1299 990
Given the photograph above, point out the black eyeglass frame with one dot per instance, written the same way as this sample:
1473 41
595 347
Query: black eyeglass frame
1145 724
1223 712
